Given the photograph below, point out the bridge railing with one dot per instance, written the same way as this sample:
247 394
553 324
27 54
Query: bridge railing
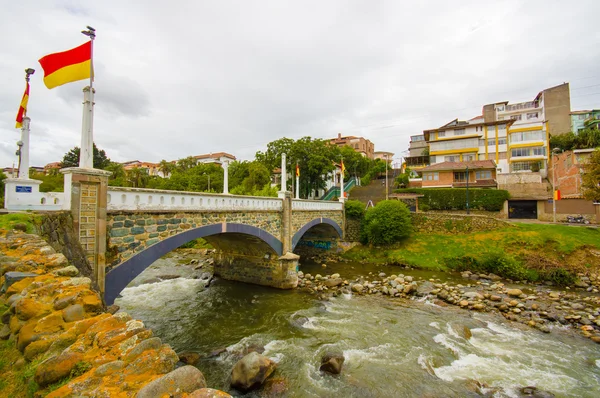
120 198
301 204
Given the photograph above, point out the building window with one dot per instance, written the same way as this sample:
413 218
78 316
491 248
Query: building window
468 158
501 140
459 132
516 117
500 108
533 151
526 166
483 175
502 126
454 144
491 141
441 133
582 117
532 115
452 159
431 176
460 176
481 142
527 136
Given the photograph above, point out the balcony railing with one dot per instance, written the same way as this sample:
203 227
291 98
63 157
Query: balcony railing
522 105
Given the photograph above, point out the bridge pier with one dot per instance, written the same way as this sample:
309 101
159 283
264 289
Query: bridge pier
274 271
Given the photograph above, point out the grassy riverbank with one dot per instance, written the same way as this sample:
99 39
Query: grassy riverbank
534 246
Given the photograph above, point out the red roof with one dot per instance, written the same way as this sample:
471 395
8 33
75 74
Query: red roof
474 165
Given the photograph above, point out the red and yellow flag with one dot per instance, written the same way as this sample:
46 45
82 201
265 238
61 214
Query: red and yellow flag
297 170
23 108
67 66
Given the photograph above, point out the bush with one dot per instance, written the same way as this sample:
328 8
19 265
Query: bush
559 276
387 223
355 209
424 207
456 198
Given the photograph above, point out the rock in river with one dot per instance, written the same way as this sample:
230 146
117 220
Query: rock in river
251 371
332 363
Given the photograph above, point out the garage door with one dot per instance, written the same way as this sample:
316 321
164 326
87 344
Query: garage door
522 209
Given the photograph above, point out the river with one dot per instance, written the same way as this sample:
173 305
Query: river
392 348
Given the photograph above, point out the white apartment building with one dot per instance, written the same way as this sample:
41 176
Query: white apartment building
466 141
515 136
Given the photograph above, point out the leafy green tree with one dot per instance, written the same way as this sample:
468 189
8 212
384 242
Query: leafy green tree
271 158
585 139
137 177
591 177
186 164
50 182
355 209
166 168
386 223
403 179
71 158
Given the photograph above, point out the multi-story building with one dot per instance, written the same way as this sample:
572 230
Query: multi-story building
418 150
468 141
515 136
359 144
528 137
216 157
383 155
152 169
584 119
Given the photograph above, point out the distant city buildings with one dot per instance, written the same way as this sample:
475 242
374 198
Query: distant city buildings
359 144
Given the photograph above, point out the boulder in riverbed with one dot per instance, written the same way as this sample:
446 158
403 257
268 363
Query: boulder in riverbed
332 363
251 371
185 379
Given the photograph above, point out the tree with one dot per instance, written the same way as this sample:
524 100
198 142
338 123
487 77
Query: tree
585 139
386 223
186 163
137 177
71 158
166 168
591 177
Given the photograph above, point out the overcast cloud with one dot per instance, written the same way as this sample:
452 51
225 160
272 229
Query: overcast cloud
180 78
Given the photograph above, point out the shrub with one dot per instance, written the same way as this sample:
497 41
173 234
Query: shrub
424 207
456 198
559 276
355 209
387 223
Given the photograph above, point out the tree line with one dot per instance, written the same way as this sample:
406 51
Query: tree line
316 158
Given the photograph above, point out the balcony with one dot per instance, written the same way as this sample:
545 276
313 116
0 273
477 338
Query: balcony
592 121
417 161
522 106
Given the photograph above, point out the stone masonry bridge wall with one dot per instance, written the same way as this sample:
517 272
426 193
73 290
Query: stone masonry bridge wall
132 232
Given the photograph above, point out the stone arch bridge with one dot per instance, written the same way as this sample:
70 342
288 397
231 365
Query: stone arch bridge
124 230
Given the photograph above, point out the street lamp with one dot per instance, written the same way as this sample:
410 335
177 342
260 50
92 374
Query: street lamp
555 151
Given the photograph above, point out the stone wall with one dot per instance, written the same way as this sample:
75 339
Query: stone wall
58 331
58 230
132 232
352 230
451 224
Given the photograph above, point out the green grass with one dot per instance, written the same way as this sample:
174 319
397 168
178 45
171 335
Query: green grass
8 221
429 250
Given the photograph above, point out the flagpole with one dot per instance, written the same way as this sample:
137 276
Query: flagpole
297 192
86 153
24 147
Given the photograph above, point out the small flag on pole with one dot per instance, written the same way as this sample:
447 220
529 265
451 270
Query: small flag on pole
297 170
343 168
557 194
67 66
23 108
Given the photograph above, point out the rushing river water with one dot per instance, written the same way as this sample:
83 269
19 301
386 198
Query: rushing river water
392 348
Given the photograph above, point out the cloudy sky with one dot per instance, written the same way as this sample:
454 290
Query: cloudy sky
179 78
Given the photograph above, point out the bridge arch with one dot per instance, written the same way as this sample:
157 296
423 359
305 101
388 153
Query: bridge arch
119 277
317 221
